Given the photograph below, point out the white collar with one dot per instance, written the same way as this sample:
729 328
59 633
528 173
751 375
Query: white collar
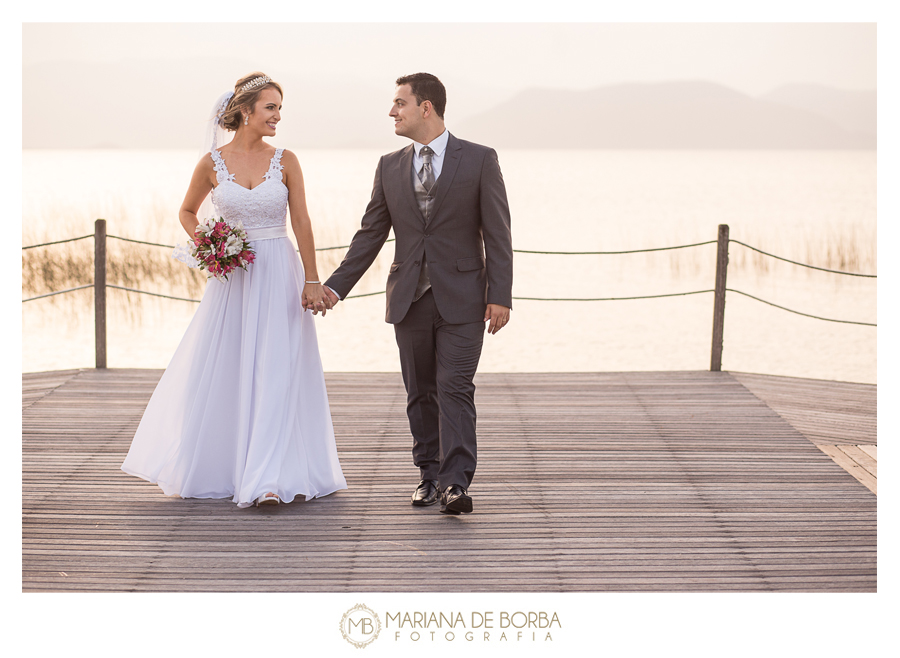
438 144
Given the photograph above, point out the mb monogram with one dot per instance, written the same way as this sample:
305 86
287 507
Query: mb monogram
360 626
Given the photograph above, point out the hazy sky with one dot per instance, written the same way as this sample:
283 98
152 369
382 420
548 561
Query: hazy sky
338 77
751 57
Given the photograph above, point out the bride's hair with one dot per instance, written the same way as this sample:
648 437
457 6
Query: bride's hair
232 118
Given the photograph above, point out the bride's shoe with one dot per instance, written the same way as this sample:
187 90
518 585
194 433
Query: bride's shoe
268 499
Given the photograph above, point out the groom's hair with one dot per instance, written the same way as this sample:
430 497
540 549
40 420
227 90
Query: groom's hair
426 87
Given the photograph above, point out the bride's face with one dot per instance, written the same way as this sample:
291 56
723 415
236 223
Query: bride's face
266 113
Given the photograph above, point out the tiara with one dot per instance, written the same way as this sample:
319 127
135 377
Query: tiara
256 82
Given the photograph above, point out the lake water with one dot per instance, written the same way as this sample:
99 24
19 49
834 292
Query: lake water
817 207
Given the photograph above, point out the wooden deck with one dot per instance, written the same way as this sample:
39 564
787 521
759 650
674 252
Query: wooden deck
640 481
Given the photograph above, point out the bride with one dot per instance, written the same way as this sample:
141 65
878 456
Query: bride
242 410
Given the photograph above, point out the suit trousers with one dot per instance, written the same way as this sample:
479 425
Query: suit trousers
438 361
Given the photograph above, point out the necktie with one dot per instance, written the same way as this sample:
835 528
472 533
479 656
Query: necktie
426 176
427 173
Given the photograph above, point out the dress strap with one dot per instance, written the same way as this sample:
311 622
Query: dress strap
222 174
275 166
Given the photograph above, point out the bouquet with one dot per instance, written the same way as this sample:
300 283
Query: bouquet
218 247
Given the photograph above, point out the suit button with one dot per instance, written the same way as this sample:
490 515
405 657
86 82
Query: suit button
428 235
416 263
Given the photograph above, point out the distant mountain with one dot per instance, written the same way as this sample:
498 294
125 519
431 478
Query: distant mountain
152 104
671 115
855 111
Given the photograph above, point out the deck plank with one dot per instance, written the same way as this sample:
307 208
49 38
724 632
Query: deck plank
842 459
870 450
668 481
862 458
824 411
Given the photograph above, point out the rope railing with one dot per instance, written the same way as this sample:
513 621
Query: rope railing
59 292
346 246
152 244
812 267
518 251
157 244
381 292
100 285
789 310
47 244
534 299
612 253
155 294
197 301
610 299
171 246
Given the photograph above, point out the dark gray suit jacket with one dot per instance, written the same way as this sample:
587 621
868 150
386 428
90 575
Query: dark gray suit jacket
467 241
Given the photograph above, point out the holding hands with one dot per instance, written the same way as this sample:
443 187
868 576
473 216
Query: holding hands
315 298
331 296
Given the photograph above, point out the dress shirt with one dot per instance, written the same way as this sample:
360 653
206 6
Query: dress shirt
439 146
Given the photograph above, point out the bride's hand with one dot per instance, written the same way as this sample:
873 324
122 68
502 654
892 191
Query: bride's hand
314 298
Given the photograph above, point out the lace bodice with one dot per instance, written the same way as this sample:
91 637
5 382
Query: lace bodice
264 205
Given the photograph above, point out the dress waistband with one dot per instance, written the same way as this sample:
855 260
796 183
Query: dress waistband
266 232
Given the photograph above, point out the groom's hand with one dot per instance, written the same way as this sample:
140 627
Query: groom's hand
331 297
498 315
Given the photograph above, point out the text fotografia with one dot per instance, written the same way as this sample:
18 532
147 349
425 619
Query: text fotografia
478 626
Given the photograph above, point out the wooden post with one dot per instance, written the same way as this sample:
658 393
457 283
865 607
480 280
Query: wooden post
718 332
100 292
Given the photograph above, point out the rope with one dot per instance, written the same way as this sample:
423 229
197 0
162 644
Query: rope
155 294
46 244
185 299
812 267
534 299
867 324
381 292
609 299
346 246
152 244
59 292
170 246
609 253
524 251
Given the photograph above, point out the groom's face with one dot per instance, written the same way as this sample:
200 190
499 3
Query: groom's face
407 116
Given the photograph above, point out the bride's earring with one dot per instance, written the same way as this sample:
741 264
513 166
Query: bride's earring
245 119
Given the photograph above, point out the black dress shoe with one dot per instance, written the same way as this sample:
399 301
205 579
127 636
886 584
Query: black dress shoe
426 493
455 500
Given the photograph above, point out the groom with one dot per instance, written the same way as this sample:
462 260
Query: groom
452 272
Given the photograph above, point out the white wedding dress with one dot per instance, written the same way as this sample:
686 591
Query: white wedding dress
242 408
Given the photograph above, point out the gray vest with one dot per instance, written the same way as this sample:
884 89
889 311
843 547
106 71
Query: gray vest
425 201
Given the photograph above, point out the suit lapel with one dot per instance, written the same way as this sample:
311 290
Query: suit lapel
406 183
448 171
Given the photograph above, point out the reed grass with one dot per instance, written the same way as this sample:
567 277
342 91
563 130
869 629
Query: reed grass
139 266
57 267
851 249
